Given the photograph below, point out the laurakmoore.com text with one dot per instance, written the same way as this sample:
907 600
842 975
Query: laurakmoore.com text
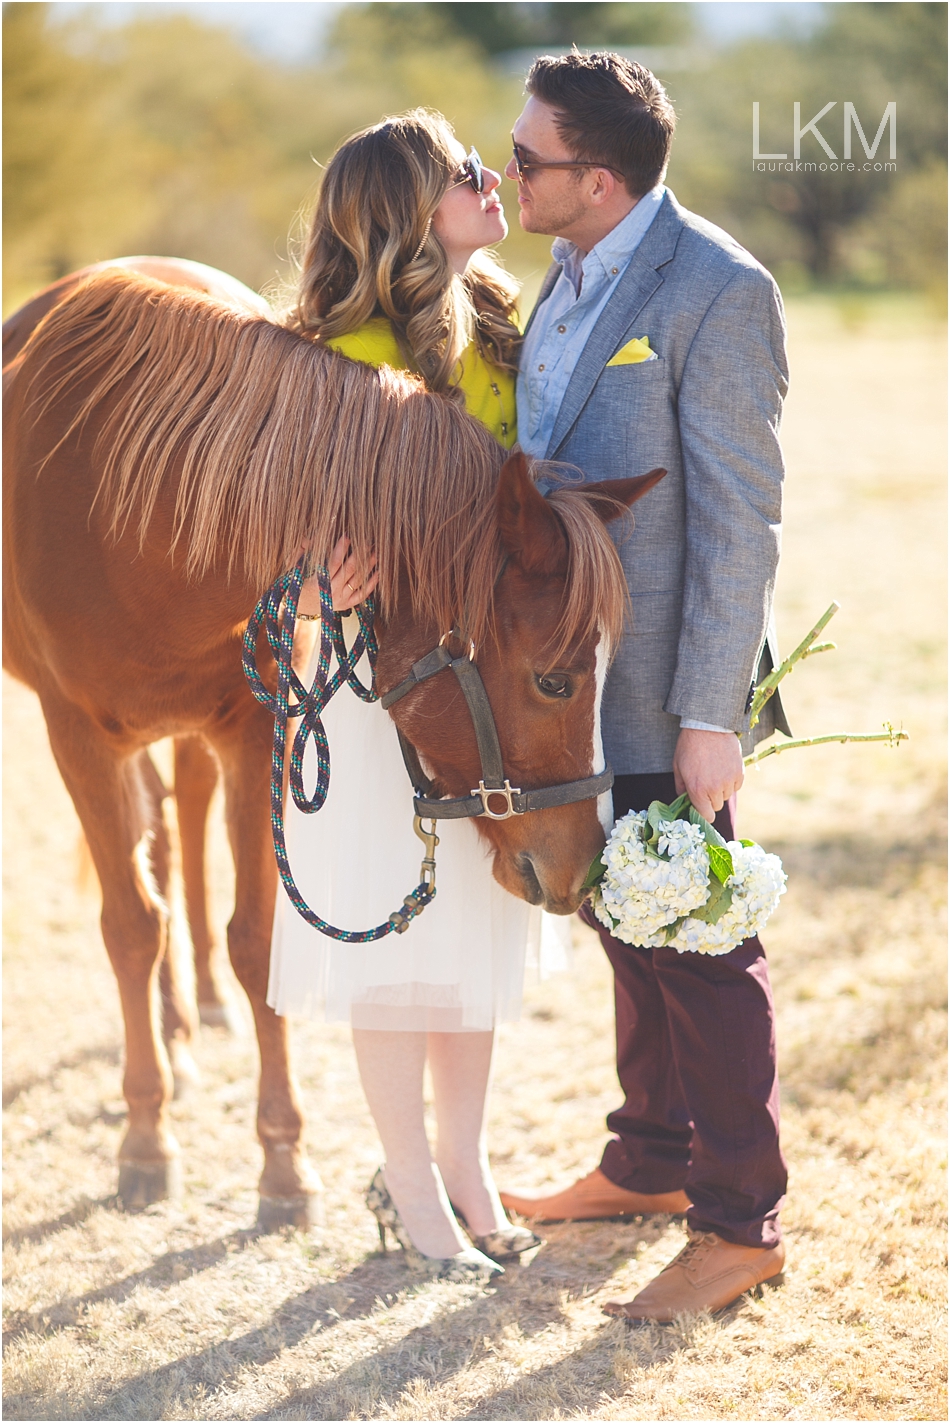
794 163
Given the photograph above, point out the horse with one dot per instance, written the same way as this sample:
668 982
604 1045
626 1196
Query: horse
168 453
195 770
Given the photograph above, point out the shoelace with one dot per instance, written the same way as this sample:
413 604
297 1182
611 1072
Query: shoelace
700 1243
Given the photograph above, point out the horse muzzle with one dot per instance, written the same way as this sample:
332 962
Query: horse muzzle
536 890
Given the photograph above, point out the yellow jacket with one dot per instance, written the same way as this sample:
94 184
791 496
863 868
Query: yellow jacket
489 392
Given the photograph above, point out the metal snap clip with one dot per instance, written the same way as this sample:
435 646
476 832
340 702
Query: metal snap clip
430 840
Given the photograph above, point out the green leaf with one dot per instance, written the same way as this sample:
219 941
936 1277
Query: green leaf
716 905
710 833
720 862
747 843
595 874
658 814
679 807
671 930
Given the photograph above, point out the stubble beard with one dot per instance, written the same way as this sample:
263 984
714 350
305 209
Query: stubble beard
552 218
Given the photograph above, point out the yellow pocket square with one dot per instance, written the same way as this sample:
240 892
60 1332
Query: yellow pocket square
636 350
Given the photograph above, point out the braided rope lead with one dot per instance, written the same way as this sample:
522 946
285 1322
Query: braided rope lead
308 707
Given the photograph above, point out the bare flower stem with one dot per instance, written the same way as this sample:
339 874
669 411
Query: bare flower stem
891 736
804 649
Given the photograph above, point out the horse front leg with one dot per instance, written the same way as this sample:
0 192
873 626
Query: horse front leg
196 776
291 1192
110 800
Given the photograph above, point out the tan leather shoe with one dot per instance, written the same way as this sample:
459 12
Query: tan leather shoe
709 1273
594 1197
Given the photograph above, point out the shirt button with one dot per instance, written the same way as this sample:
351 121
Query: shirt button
562 329
541 367
614 271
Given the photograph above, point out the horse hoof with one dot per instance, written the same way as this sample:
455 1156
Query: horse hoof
304 1213
142 1183
222 1015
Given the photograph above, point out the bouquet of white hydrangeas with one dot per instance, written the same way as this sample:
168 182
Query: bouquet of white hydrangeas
667 878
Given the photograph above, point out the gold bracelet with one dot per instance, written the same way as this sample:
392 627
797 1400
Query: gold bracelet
308 617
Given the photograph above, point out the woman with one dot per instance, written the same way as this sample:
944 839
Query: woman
396 273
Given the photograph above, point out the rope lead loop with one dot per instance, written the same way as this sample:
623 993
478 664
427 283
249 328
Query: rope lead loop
308 707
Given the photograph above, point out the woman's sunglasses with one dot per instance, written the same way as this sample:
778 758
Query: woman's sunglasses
471 172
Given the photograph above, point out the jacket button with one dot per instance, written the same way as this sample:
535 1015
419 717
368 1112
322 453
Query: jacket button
541 367
562 329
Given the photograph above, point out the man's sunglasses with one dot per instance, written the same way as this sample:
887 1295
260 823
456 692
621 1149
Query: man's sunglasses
471 172
524 165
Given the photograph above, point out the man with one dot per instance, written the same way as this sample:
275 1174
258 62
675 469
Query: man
657 340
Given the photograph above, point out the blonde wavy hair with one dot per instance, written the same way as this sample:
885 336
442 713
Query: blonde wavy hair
373 251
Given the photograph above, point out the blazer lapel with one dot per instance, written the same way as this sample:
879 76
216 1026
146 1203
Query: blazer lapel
636 286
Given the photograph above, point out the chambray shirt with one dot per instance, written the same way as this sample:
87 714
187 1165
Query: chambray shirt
563 324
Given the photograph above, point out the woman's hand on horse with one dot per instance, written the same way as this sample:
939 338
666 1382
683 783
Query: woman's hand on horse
351 581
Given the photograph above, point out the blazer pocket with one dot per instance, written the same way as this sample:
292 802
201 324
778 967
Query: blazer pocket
636 371
656 614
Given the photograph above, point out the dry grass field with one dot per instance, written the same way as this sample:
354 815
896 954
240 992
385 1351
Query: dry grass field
183 1312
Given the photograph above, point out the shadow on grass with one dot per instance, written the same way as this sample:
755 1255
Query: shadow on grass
590 1376
427 1359
319 1309
170 1269
430 1355
101 1052
531 1297
76 1214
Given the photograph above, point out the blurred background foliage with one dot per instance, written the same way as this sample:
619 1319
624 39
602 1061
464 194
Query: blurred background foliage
167 134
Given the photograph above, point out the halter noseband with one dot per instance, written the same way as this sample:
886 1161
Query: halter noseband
494 784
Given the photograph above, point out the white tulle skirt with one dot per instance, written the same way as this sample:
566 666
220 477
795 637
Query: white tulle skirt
460 965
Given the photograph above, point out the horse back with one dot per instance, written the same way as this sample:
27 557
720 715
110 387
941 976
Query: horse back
110 623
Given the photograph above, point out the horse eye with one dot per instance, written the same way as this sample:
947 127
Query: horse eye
555 684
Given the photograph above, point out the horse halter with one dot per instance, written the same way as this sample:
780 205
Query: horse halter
494 784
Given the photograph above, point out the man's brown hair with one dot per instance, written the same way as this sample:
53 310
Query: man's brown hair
608 110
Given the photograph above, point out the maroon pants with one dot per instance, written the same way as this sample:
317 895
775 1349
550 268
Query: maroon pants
696 1061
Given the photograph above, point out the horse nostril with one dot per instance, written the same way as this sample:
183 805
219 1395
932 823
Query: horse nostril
534 894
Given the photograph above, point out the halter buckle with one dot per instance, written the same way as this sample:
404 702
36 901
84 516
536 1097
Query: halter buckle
506 791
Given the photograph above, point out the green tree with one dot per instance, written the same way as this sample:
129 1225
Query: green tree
163 135
58 170
168 135
499 27
866 53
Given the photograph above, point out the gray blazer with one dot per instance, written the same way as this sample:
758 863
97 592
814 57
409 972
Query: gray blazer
702 555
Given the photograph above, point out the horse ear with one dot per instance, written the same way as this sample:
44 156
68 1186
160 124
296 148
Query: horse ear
531 532
610 493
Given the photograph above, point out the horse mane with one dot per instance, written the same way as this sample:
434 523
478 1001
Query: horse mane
233 415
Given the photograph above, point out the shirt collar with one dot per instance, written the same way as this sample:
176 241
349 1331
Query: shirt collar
612 253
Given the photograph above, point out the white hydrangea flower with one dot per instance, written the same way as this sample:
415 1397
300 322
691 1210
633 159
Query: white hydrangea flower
757 886
640 895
